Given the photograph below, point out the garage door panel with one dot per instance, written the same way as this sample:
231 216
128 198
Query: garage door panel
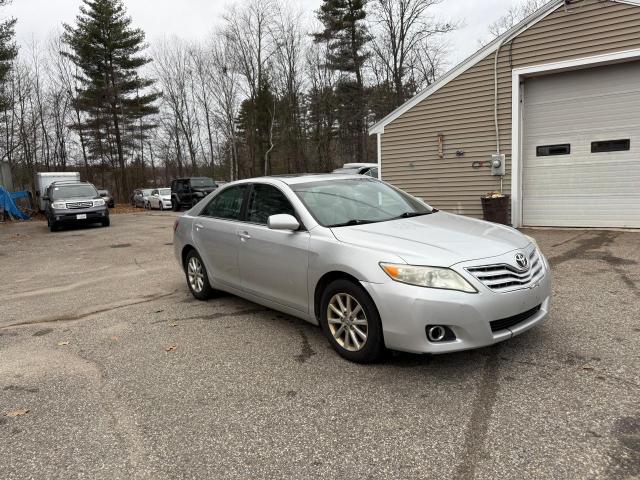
582 188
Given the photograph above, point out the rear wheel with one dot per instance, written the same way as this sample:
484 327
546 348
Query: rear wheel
351 322
175 205
197 278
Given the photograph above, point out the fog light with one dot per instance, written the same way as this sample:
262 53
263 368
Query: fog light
439 333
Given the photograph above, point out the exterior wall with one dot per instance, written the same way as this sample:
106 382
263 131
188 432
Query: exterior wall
462 110
6 180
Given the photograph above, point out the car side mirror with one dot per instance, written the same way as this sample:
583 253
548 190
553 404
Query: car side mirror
283 222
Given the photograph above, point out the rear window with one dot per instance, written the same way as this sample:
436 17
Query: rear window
202 182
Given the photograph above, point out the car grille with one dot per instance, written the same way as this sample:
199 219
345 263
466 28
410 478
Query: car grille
72 205
514 320
506 278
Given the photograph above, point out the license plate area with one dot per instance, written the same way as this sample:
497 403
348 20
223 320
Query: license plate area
81 216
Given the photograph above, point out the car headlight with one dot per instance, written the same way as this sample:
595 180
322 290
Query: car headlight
99 202
58 205
430 277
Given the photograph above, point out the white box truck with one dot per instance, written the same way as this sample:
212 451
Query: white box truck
44 179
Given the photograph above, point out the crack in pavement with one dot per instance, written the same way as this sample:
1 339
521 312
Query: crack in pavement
82 316
214 316
474 450
306 350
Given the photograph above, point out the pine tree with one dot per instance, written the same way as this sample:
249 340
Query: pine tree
346 36
114 96
8 52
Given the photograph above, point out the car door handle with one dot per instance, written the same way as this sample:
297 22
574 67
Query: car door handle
199 226
244 235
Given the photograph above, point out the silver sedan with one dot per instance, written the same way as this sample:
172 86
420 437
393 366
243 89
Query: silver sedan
375 267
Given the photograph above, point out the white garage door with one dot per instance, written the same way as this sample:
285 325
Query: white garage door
581 148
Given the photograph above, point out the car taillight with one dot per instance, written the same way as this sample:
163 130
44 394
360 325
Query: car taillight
175 224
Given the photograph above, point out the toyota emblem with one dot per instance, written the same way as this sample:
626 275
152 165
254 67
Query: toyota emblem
522 261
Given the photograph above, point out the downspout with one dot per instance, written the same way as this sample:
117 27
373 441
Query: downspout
495 101
379 141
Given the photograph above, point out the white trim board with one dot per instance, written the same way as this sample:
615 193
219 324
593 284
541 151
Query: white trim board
516 111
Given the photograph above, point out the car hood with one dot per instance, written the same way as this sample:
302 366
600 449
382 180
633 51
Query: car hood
74 200
438 239
205 190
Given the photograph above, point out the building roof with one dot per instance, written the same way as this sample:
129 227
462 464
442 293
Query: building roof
474 59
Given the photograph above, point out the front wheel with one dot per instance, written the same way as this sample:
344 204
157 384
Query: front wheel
106 222
53 226
197 278
351 322
161 206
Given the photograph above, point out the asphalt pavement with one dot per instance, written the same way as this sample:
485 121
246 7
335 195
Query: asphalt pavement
110 369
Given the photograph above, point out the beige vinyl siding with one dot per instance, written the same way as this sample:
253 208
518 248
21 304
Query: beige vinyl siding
462 110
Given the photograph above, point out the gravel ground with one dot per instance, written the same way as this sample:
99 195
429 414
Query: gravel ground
125 375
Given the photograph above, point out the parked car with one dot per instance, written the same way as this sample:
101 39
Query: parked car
140 197
107 197
375 267
160 198
369 169
187 192
73 202
42 180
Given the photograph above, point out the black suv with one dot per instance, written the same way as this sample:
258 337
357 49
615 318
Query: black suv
186 192
73 202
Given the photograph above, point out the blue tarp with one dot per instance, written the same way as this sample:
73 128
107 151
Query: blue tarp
7 202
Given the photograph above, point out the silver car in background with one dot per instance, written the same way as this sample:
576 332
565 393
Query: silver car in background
374 266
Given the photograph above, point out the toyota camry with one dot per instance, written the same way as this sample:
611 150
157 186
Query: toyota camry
375 267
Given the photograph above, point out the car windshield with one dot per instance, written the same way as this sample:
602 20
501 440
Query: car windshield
338 203
146 192
165 191
202 182
73 191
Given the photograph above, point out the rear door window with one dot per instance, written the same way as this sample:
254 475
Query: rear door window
227 204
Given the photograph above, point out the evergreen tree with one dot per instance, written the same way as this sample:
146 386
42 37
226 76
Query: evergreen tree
256 125
108 52
8 52
346 36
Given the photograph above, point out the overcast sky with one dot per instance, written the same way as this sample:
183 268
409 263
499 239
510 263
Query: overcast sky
193 19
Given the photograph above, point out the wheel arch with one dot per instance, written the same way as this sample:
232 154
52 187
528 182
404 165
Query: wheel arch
185 251
322 284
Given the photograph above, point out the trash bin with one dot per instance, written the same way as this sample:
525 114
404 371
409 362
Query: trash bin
495 208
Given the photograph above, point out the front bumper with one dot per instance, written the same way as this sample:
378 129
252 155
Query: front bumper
69 216
406 310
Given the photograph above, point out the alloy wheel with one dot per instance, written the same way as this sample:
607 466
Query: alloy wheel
347 322
195 274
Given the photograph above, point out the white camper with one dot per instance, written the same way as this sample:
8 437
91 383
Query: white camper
44 179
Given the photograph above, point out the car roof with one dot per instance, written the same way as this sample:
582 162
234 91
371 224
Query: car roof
309 177
61 183
359 165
